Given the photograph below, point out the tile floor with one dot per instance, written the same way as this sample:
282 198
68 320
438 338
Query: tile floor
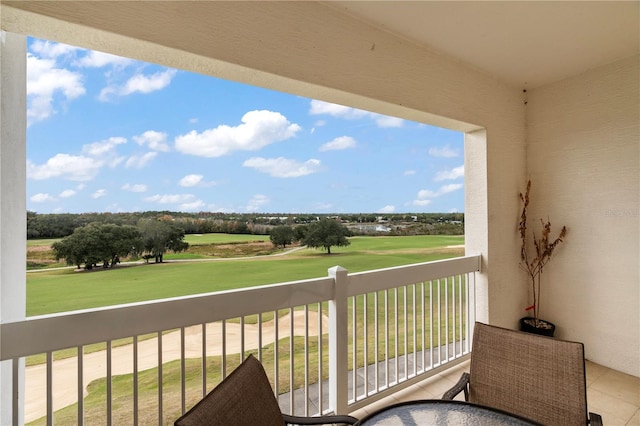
610 393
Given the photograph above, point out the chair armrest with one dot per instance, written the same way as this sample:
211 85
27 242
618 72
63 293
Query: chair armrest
595 419
462 385
321 420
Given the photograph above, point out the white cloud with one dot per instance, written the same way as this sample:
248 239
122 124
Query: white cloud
256 202
42 198
191 180
67 193
103 147
72 167
134 188
426 193
384 121
79 167
258 129
191 207
409 172
139 83
99 194
95 59
171 199
51 49
348 113
184 202
283 167
339 143
156 141
140 161
387 209
194 180
45 83
335 110
425 196
449 188
444 152
455 173
421 203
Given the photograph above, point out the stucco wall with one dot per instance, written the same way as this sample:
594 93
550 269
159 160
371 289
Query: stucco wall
584 162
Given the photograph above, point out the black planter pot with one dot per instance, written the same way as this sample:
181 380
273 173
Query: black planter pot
527 324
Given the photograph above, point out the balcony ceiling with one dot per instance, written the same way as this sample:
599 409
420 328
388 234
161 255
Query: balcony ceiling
523 43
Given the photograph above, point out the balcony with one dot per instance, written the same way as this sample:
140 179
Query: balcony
412 325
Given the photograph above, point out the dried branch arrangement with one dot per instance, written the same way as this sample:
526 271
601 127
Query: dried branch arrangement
533 263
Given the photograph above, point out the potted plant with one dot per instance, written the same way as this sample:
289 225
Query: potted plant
533 258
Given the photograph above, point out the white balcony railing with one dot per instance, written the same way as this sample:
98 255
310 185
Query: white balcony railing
328 344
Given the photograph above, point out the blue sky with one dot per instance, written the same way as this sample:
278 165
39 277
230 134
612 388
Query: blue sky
109 134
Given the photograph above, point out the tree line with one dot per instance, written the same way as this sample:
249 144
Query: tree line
62 225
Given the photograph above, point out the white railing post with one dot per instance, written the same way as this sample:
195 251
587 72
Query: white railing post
338 338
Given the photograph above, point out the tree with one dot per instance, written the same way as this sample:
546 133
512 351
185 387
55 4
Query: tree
160 236
281 236
98 243
300 232
327 233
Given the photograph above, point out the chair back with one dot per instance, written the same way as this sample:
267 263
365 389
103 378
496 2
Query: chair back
244 397
536 377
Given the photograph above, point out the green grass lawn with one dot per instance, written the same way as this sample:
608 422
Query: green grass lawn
66 290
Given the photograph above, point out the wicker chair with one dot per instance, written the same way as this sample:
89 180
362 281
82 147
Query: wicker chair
537 377
245 397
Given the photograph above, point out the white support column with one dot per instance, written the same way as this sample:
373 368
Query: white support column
338 342
13 148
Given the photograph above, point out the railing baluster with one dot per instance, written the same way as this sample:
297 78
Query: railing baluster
204 359
15 391
397 355
423 321
291 356
406 331
320 351
354 350
306 360
80 369
160 378
242 339
446 315
375 341
415 331
260 337
135 380
276 352
386 338
432 331
365 336
223 324
183 369
49 388
109 383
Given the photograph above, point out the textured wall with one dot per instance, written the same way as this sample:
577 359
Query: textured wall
584 161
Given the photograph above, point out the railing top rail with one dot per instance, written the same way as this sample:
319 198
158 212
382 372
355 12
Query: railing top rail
379 279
